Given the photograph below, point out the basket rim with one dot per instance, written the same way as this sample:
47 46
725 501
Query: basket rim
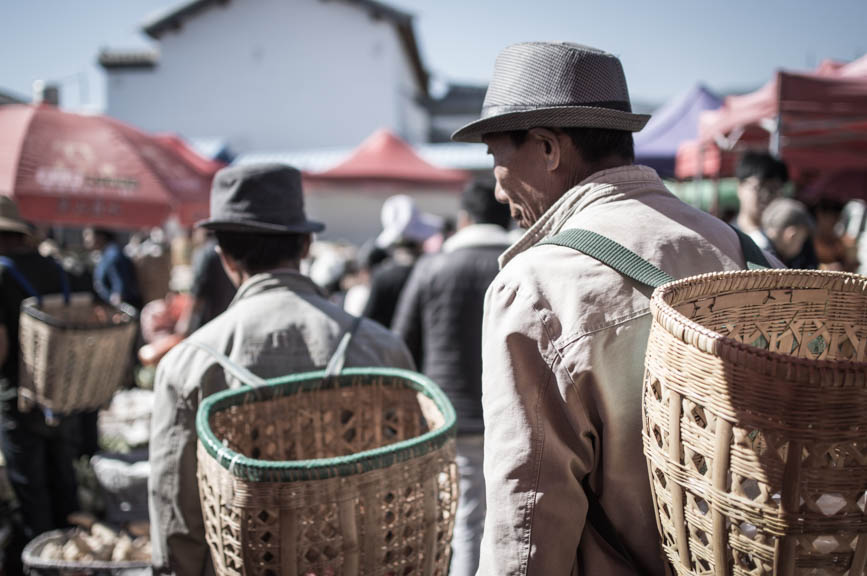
719 345
29 557
30 306
257 470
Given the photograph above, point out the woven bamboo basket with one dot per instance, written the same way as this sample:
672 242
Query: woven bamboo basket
755 422
73 356
353 474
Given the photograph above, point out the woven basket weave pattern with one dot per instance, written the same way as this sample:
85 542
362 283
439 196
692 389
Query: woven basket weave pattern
396 519
78 359
755 422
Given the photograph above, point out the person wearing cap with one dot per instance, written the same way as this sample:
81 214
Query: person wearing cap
564 335
38 454
439 315
404 230
279 323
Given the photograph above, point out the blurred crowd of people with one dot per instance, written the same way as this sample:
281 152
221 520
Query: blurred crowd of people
823 236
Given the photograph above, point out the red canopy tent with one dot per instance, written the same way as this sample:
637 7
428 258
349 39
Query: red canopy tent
72 169
816 120
383 157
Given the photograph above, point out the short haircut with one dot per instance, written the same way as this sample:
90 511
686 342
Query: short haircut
479 202
594 144
763 166
261 252
785 212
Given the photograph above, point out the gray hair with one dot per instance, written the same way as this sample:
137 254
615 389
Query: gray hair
785 212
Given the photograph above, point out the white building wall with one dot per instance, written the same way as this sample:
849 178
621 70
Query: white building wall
273 74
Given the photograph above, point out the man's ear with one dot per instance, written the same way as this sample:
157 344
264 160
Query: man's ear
789 233
549 142
233 271
308 240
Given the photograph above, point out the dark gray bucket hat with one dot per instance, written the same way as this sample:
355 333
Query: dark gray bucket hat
554 85
259 198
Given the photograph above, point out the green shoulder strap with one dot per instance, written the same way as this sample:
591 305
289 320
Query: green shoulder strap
611 254
632 265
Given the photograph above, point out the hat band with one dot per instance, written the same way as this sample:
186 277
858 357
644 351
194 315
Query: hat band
619 105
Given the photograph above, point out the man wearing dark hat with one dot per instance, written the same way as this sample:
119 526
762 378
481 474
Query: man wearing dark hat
39 452
565 334
279 323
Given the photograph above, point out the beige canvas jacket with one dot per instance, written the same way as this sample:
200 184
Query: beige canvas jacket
278 324
564 342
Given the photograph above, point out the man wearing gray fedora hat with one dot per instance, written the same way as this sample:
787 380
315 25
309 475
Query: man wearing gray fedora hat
564 332
279 323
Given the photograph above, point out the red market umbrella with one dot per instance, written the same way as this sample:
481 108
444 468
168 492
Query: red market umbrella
72 169
383 157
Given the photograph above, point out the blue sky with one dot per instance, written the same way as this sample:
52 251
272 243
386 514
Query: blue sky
665 46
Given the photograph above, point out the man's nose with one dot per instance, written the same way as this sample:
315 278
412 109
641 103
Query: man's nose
500 194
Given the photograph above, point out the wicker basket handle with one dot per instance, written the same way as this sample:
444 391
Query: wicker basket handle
243 375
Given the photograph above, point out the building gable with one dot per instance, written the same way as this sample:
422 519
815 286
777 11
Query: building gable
174 19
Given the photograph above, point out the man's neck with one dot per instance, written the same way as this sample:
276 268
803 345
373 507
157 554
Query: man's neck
293 265
747 224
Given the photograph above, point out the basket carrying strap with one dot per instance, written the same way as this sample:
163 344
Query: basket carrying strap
633 266
28 287
338 359
611 254
244 376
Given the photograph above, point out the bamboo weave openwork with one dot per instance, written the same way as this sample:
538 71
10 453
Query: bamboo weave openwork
74 355
349 475
755 422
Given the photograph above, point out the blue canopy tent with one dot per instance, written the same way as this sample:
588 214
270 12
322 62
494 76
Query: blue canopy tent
672 124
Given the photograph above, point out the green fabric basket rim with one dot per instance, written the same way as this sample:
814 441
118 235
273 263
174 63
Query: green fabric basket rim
257 470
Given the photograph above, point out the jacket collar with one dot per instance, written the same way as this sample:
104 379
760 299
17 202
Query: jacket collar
594 188
278 279
477 235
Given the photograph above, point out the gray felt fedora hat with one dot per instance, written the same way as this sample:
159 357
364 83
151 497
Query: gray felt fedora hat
554 85
259 198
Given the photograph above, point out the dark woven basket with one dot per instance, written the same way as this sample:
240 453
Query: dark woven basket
36 566
352 474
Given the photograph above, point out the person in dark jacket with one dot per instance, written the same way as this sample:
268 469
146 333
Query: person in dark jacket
114 278
38 447
439 315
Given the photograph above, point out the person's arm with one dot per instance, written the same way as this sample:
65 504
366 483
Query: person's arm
407 322
177 526
535 459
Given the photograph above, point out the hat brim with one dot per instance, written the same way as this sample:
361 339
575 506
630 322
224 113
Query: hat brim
552 117
260 227
13 225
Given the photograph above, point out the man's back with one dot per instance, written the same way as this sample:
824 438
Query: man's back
565 337
439 316
278 324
